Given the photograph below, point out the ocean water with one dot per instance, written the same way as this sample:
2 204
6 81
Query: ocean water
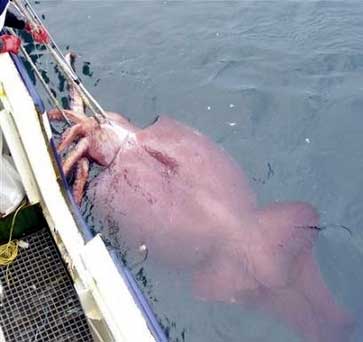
278 84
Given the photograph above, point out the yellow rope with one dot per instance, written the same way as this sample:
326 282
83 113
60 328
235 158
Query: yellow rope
9 251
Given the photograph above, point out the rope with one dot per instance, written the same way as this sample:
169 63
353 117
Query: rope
9 251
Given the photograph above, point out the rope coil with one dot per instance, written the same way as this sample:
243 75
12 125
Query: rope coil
10 250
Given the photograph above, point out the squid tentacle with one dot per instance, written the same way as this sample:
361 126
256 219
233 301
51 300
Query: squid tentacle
75 155
71 135
80 180
56 115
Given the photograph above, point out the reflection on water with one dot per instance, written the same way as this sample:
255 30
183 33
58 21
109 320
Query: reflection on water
278 85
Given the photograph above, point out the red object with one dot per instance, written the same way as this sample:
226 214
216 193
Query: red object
9 43
38 33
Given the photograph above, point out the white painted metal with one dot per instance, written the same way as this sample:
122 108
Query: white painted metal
95 257
2 17
19 156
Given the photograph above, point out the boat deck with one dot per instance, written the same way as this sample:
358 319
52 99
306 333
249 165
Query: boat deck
38 301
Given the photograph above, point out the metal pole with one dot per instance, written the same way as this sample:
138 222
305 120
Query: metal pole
88 99
44 84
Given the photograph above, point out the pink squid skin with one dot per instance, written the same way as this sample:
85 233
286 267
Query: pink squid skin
172 189
156 173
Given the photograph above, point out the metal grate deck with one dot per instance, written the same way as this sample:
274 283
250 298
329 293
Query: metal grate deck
40 304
